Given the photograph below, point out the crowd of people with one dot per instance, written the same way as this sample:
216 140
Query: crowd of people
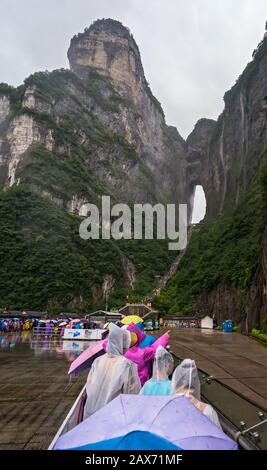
17 324
43 326
126 367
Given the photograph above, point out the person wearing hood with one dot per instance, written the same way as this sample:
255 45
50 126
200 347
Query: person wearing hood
144 357
112 373
160 384
148 340
185 381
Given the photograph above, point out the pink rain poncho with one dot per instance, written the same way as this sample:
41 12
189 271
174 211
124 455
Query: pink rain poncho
144 357
111 374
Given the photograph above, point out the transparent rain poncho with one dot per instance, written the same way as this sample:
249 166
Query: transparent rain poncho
185 381
163 364
159 384
111 374
119 340
185 378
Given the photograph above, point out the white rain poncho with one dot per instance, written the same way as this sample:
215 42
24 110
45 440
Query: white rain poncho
185 377
185 381
163 364
111 374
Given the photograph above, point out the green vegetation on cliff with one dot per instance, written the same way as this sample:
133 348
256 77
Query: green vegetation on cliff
46 265
245 79
86 152
226 250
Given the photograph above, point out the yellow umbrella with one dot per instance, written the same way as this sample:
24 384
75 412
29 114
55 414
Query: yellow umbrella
131 319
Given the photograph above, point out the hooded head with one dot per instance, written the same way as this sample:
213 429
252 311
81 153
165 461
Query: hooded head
140 334
119 341
163 364
185 379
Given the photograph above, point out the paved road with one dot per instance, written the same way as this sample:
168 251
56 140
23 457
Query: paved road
237 360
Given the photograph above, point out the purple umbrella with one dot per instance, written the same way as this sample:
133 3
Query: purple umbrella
173 418
86 358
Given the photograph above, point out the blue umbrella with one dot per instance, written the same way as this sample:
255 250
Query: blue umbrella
136 440
173 418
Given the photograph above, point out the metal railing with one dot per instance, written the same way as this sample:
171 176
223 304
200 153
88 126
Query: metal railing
242 419
45 332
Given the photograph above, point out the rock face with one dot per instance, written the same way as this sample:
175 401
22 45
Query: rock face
227 302
4 108
109 48
108 82
136 158
197 168
71 136
239 137
24 132
231 158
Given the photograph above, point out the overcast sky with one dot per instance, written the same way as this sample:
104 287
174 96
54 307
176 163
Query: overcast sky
192 50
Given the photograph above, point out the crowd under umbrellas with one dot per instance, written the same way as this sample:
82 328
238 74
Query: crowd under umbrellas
43 326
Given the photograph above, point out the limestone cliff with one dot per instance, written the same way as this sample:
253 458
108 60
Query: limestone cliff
66 138
113 117
224 269
233 157
231 153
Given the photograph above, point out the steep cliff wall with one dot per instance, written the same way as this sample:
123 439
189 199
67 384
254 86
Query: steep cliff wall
71 136
224 268
103 108
239 137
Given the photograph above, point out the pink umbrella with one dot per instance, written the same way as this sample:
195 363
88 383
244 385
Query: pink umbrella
85 360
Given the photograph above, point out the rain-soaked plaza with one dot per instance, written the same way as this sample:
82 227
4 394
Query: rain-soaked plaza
35 392
36 395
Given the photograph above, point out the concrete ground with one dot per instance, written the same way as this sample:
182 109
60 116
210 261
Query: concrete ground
35 396
238 361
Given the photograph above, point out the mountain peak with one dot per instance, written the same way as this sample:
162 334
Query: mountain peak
108 47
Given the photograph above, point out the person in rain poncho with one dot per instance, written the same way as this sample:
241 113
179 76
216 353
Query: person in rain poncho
144 357
111 374
185 381
162 368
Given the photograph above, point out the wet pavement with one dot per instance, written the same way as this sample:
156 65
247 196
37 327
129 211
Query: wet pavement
236 360
35 394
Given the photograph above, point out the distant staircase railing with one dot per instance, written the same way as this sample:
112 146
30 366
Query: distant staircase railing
45 332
